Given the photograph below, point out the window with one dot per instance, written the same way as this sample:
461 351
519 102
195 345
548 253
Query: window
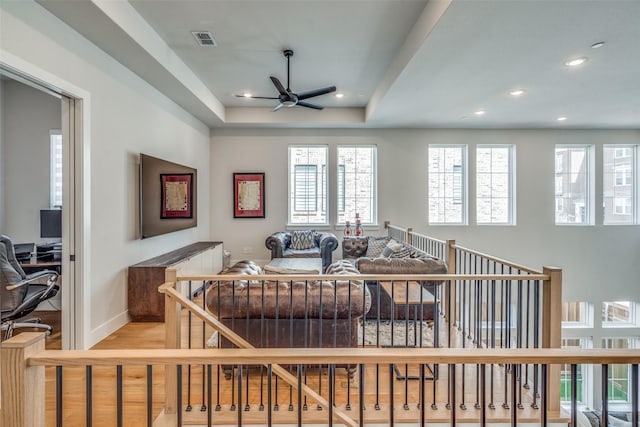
55 198
307 184
581 374
618 313
622 152
573 167
619 387
447 184
305 195
622 206
341 184
577 314
623 175
357 176
494 184
619 189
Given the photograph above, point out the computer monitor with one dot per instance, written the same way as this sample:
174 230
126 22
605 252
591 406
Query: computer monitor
51 223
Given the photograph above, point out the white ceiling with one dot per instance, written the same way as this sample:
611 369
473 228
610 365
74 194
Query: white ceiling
399 63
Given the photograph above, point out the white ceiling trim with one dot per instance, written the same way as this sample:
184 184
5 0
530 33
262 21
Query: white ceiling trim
329 117
429 17
129 21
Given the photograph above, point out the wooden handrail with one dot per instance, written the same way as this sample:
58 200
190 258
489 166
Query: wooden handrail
316 356
360 277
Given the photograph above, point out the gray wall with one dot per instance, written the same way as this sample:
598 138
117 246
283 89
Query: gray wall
600 263
29 115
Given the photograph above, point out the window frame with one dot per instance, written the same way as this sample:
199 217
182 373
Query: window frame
620 180
589 184
511 180
55 165
341 183
321 182
310 170
606 343
464 180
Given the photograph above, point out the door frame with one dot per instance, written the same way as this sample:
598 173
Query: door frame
75 107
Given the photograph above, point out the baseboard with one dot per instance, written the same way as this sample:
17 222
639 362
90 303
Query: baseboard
107 328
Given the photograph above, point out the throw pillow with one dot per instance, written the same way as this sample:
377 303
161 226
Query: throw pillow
305 239
617 422
403 252
593 417
376 245
391 248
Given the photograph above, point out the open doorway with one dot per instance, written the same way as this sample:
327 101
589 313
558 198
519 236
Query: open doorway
37 171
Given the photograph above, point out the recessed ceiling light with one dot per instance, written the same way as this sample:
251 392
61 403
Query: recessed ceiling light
597 45
561 118
576 61
516 92
479 113
339 95
247 95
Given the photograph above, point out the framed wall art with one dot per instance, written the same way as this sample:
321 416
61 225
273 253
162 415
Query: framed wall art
177 195
248 195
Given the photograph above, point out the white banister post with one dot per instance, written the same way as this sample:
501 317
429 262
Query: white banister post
22 393
552 329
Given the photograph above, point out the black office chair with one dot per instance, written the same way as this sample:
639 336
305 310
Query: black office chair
19 295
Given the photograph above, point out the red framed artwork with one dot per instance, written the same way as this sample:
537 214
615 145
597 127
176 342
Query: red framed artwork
177 195
248 195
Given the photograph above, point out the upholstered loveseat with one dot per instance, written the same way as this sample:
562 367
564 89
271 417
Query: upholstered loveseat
372 255
290 313
320 245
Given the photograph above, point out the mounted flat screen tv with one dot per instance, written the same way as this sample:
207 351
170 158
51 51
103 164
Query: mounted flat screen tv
167 196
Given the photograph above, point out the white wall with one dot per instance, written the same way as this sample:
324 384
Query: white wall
123 116
599 263
29 115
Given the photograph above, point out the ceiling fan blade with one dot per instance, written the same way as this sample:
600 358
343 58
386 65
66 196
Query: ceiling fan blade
279 106
257 97
317 92
310 105
279 86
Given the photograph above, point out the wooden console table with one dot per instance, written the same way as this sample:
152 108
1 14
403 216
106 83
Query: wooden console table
146 304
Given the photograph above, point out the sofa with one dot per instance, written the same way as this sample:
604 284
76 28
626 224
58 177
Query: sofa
290 313
303 244
372 255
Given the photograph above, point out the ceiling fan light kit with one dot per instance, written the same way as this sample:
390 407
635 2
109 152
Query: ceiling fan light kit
288 98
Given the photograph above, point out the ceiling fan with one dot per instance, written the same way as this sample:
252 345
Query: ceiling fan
287 97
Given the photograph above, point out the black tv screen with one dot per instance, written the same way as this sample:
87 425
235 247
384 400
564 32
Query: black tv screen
51 223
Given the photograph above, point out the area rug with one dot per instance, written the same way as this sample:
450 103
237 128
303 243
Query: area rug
405 334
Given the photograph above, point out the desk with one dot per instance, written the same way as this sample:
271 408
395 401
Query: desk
32 267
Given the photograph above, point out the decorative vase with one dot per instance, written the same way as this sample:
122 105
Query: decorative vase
347 229
358 231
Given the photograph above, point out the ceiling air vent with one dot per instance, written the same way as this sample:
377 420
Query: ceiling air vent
204 38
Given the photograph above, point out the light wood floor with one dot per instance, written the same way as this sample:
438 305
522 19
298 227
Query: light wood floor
151 335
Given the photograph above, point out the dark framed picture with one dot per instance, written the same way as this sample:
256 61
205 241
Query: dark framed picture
248 195
177 195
